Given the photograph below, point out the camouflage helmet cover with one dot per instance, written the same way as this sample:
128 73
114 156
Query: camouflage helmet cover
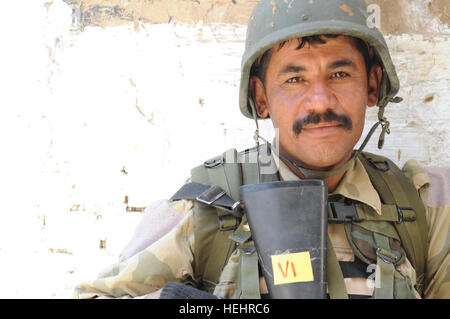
275 21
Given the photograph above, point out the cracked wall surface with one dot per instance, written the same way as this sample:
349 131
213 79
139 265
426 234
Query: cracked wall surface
398 16
107 13
416 30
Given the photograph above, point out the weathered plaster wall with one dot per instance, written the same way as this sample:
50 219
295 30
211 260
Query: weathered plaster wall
108 104
398 16
416 30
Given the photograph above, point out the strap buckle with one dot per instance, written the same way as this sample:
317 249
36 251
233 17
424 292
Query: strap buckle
401 216
247 249
222 218
379 165
210 195
213 162
386 257
343 213
237 209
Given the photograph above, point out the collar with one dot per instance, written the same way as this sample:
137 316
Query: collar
355 185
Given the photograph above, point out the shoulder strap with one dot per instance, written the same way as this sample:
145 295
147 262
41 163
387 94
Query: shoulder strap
215 220
395 188
213 225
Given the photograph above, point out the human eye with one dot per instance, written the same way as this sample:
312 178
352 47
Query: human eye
339 75
295 79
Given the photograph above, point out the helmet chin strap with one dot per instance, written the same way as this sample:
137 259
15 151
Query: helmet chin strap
385 128
256 137
315 174
385 125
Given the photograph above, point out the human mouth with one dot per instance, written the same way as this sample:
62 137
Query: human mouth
322 129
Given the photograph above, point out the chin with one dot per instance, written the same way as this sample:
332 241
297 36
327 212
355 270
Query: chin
324 158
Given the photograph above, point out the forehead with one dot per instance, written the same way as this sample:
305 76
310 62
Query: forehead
339 42
334 44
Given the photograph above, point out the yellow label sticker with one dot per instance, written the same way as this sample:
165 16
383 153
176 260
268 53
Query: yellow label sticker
290 268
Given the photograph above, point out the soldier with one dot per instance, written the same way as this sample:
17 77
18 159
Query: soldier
312 67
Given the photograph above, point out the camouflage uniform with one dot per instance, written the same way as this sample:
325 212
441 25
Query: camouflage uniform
152 258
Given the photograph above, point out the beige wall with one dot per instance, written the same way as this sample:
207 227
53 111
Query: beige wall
416 31
398 16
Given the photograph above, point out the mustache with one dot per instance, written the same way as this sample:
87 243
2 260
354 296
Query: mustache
328 116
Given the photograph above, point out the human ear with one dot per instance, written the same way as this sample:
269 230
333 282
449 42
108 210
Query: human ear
259 96
373 85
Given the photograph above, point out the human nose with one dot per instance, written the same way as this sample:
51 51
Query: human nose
320 97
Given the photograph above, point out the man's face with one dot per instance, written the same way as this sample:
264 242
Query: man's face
317 96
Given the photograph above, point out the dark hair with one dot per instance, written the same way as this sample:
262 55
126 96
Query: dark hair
259 68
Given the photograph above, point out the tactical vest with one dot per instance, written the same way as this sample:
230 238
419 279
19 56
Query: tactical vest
220 225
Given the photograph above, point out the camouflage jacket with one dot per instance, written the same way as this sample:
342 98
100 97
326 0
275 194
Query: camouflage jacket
154 257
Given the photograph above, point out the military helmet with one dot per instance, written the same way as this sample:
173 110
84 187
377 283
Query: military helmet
275 21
